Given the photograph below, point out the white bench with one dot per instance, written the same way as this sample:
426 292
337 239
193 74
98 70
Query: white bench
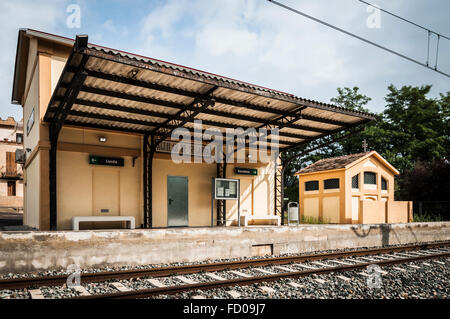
257 219
76 220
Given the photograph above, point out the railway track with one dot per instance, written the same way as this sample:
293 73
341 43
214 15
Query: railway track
298 266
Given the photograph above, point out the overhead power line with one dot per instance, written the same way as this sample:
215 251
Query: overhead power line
360 38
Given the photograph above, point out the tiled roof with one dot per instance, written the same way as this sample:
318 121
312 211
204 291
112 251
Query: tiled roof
332 163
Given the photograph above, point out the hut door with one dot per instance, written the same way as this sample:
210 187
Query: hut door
177 201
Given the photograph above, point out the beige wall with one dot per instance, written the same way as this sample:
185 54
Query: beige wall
373 212
199 191
398 212
75 187
256 191
323 204
31 215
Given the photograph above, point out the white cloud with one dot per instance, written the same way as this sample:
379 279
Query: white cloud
42 15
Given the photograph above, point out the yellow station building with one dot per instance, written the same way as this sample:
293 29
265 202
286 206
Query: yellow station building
97 136
351 189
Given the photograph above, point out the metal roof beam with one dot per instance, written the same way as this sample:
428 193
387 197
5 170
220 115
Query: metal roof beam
178 106
135 121
181 92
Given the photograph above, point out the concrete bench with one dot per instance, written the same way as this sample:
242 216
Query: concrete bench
76 220
270 219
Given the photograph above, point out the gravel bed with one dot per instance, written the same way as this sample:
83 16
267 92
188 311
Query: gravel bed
424 283
103 269
58 292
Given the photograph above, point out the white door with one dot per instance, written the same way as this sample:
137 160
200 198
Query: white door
355 208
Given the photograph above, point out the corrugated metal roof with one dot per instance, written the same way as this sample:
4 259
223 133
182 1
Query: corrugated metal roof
126 91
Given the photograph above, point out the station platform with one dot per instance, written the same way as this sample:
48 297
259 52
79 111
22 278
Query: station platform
29 251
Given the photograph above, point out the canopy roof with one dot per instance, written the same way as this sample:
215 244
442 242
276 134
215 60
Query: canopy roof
114 90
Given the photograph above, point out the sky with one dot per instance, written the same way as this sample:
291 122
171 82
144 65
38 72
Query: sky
251 40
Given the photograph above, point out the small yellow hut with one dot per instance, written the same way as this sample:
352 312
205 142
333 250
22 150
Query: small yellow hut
351 189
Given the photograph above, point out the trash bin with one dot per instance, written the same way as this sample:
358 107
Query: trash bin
293 213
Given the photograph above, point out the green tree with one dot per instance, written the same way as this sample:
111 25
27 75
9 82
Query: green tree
416 126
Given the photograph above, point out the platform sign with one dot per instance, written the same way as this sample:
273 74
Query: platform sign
226 188
246 171
108 161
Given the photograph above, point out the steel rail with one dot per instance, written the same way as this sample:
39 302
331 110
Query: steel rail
143 293
19 283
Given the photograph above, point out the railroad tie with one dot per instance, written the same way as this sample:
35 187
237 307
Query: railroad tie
362 273
342 262
284 268
370 259
186 280
240 274
399 269
198 297
414 266
294 284
155 282
320 264
36 294
233 294
81 290
305 266
320 281
426 264
264 271
267 290
439 262
346 279
214 276
119 286
359 261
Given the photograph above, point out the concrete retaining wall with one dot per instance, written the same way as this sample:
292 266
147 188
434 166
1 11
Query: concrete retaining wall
36 251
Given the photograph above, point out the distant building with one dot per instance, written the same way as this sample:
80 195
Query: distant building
11 175
351 189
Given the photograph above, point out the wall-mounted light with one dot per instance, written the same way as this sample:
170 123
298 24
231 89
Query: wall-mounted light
102 139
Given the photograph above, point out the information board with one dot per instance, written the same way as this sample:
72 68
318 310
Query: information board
226 188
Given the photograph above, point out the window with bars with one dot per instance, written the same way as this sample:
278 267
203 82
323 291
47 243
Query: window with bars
370 178
355 181
312 186
384 185
332 183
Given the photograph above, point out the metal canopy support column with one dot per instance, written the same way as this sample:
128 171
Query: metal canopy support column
59 119
221 204
279 188
149 152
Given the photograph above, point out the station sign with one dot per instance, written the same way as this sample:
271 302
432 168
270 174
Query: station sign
245 171
225 188
108 161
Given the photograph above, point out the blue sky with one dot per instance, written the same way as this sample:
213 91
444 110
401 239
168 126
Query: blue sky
250 40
